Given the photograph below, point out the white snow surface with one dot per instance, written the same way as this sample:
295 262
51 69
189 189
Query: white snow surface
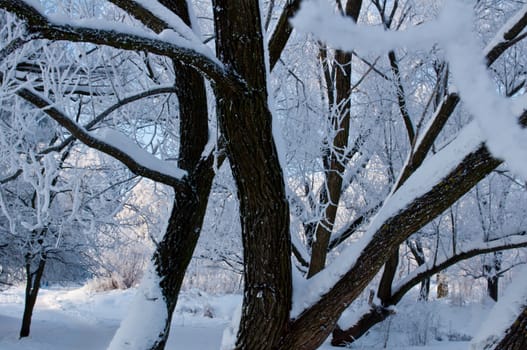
503 314
149 310
82 319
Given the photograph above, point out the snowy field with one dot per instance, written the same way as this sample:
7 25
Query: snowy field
78 318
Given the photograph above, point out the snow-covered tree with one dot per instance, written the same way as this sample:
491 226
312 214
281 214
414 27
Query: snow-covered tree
420 163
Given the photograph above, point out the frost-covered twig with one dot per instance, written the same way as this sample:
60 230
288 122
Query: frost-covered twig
114 144
121 36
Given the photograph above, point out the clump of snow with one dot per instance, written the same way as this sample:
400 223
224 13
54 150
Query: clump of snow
142 157
146 316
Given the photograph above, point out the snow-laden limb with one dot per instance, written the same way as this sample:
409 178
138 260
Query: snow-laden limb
422 181
426 270
452 30
145 159
121 36
146 316
341 32
508 35
136 159
174 21
502 314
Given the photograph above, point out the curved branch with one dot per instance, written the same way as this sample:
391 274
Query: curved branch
175 47
145 165
511 242
109 110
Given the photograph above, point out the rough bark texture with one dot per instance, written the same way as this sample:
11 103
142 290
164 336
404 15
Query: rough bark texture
313 325
516 336
246 124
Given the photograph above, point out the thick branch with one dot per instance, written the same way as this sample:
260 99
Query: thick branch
282 32
40 25
392 232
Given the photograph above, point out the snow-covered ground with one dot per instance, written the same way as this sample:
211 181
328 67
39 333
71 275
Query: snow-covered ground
66 319
81 319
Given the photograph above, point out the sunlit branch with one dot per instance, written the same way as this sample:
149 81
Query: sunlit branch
135 165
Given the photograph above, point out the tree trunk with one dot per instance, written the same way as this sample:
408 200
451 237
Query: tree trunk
492 287
340 114
491 270
442 285
246 124
174 252
33 280
516 336
313 326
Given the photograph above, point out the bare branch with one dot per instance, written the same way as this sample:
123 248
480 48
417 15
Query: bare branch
510 242
109 110
136 166
282 32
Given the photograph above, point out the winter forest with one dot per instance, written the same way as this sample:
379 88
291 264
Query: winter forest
263 174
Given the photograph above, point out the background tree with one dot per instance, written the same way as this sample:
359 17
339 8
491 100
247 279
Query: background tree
430 181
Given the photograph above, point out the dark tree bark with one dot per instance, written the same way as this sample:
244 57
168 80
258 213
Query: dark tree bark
335 159
246 124
516 336
33 279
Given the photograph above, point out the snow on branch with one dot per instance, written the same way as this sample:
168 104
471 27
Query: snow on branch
184 47
416 276
503 314
112 143
122 102
452 30
509 34
436 176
